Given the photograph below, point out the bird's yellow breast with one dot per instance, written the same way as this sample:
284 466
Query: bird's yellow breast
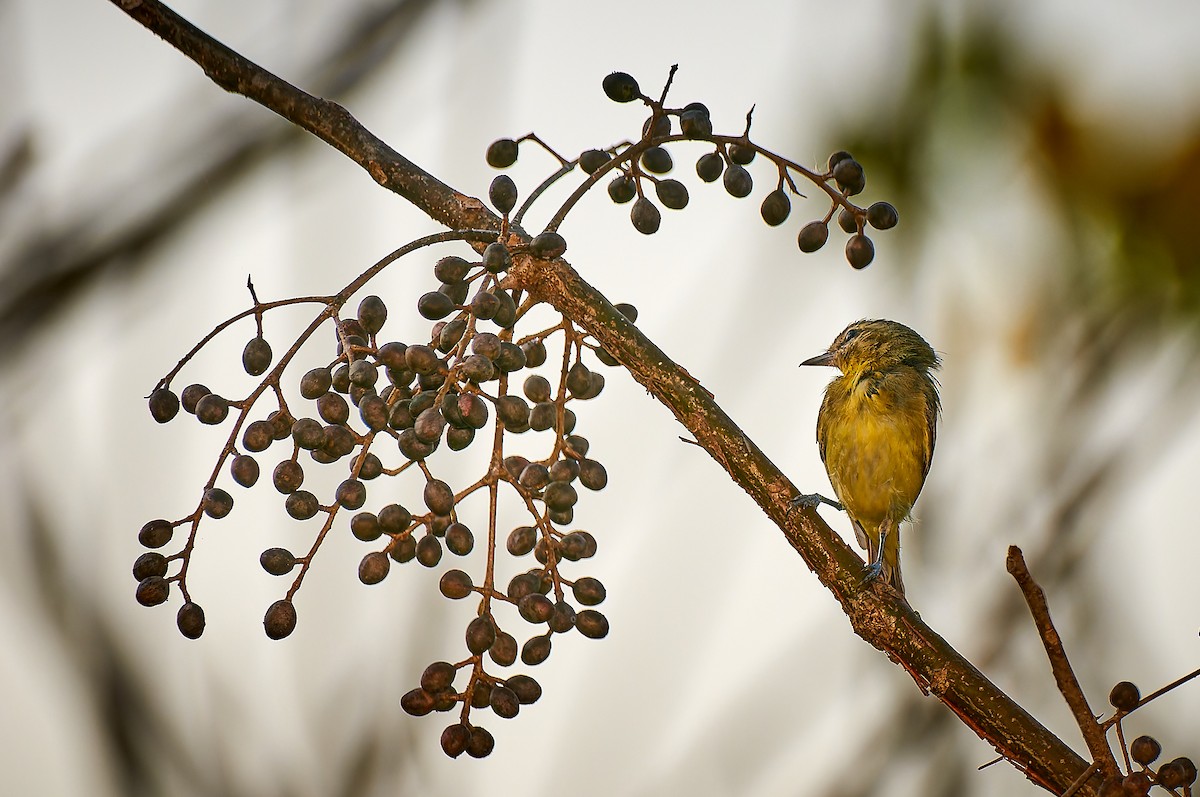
876 443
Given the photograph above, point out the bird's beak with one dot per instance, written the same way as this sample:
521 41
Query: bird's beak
825 358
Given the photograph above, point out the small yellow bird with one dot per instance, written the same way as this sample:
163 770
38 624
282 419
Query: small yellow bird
876 431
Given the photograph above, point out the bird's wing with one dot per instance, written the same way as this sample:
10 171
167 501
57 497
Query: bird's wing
931 418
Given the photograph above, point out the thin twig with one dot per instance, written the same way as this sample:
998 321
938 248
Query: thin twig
1060 666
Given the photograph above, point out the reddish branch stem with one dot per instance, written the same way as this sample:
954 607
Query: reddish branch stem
1064 675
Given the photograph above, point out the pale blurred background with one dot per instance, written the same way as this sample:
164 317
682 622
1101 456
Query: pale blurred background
1044 158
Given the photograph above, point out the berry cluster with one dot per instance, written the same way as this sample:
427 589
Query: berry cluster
1176 776
379 408
637 168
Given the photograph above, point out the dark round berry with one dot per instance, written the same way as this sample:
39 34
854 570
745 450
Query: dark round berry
454 739
536 650
458 439
288 476
452 269
560 496
422 359
621 189
480 635
1137 784
741 154
212 409
455 584
525 688
513 411
438 497
1145 749
535 607
657 160
301 505
496 258
333 408
434 305
403 549
882 216
504 702
366 526
695 124
308 433
1184 768
578 379
280 619
848 174
155 534
429 551
564 470
485 305
562 619
459 539
374 567
535 353
504 650
738 182
363 373
481 743
592 624
341 378
1171 775
645 216
217 503
164 405
537 388
372 313
512 356
502 153
1124 696
258 436
592 474
535 476
149 564
153 590
505 317
543 415
256 357
548 246
429 425
709 167
316 383
503 193
514 464
374 412
277 561
190 620
521 540
847 221
191 396
621 87
837 158
593 159
351 494
776 207
672 194
860 251
244 469
417 702
656 127
588 591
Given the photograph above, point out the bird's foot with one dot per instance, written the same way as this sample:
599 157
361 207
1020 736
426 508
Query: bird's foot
812 501
874 571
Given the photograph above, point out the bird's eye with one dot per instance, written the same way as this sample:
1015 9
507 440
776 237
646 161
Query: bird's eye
851 334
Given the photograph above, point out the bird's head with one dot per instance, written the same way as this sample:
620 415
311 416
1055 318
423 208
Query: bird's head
877 345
